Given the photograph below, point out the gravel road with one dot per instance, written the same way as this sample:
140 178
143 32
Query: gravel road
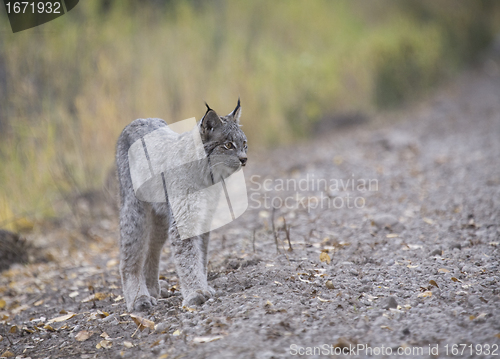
385 243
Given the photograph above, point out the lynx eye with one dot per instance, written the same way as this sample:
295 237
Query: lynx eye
229 146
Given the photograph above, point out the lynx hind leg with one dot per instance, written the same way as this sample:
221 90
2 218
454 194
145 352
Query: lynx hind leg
190 262
158 232
133 252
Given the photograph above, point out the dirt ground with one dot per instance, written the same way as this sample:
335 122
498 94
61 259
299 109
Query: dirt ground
395 245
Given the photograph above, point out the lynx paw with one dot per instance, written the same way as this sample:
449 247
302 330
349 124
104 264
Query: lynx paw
144 303
197 298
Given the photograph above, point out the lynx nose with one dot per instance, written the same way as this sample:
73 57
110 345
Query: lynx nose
243 161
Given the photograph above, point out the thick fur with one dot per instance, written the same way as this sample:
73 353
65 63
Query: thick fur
144 227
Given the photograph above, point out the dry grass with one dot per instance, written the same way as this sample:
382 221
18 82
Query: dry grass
74 83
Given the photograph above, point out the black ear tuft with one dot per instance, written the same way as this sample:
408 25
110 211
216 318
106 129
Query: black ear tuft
210 120
235 115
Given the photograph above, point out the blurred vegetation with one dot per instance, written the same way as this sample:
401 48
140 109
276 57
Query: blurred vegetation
67 88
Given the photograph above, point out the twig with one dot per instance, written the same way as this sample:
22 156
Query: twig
253 241
287 232
274 231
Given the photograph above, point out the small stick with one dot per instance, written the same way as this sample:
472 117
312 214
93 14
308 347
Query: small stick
287 232
8 338
274 231
253 241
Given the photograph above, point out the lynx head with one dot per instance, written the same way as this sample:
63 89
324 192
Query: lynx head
224 141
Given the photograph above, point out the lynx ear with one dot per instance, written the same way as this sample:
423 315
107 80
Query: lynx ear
210 120
235 115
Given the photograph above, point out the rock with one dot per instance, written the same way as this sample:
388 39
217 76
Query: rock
387 221
384 220
436 252
389 302
162 327
13 249
474 300
455 246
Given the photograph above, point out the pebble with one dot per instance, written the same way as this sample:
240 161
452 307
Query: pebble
385 220
436 252
474 300
389 302
455 246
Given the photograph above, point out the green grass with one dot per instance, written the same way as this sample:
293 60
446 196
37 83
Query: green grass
74 83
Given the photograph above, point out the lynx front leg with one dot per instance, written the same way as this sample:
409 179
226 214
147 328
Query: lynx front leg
190 260
133 251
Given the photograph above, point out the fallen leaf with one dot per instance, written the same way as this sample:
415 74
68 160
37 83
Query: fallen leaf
324 257
278 283
117 299
482 315
128 344
425 294
268 304
73 294
385 327
83 335
101 296
303 280
2 303
472 317
412 266
7 354
206 339
428 220
37 303
20 309
49 327
106 344
104 335
432 282
455 279
392 235
102 314
142 323
189 309
176 333
112 263
96 296
443 270
323 300
13 329
62 318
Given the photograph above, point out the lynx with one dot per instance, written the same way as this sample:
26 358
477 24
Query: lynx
145 226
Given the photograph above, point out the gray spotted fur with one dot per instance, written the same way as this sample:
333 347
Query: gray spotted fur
144 227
